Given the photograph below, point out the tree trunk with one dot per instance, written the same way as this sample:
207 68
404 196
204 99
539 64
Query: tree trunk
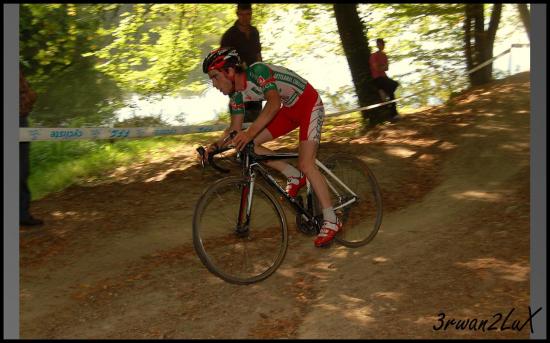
483 41
526 18
357 52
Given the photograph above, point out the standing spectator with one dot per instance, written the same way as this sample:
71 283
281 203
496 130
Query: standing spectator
386 86
245 38
27 98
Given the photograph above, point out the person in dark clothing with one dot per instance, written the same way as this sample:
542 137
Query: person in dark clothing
386 86
27 98
245 38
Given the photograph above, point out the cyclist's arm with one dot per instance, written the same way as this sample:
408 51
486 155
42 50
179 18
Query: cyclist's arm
268 112
235 125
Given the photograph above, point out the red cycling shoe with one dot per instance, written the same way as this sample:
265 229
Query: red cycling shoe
327 233
294 184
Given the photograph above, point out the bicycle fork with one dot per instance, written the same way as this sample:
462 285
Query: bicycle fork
245 208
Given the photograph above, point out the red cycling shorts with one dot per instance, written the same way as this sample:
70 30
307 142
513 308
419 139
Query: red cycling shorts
308 113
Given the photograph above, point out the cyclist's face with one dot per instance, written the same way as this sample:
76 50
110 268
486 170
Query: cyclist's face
221 81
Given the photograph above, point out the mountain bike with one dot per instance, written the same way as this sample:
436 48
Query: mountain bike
240 231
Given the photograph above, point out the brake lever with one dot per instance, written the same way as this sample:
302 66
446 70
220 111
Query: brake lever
202 152
210 158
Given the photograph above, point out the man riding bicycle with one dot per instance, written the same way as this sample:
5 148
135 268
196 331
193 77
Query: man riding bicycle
301 107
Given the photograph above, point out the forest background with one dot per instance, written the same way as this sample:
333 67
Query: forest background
129 65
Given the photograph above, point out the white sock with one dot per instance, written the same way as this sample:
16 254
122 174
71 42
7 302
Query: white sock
291 171
329 215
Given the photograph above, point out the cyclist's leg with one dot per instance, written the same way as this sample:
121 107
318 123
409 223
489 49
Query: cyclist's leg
308 152
279 126
262 137
310 137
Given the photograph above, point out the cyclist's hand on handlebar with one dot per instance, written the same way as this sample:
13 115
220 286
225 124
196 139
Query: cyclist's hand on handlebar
211 148
241 140
204 152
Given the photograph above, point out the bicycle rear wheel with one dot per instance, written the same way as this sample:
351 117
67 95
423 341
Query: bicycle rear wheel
239 257
361 219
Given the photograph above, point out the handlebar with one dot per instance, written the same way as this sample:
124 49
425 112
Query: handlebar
210 158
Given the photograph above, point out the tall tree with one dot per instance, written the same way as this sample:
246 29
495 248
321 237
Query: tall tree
54 36
483 40
357 51
525 18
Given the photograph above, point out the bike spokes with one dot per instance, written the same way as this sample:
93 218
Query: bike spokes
362 217
243 251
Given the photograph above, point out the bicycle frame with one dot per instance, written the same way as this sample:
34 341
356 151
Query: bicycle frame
335 178
253 165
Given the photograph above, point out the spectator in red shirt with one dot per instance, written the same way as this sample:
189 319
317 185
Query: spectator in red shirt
386 86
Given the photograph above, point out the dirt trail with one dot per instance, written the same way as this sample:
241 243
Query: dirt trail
115 260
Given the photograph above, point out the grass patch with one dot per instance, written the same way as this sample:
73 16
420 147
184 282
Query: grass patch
57 165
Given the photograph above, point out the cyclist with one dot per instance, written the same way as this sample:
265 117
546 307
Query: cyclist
301 107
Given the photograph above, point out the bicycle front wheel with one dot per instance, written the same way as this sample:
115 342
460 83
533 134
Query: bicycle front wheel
361 219
237 253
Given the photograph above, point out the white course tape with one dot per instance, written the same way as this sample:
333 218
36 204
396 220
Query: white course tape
94 133
372 106
476 68
87 133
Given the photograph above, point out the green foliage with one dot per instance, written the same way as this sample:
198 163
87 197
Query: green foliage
149 121
79 95
155 47
57 165
53 39
82 58
313 32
